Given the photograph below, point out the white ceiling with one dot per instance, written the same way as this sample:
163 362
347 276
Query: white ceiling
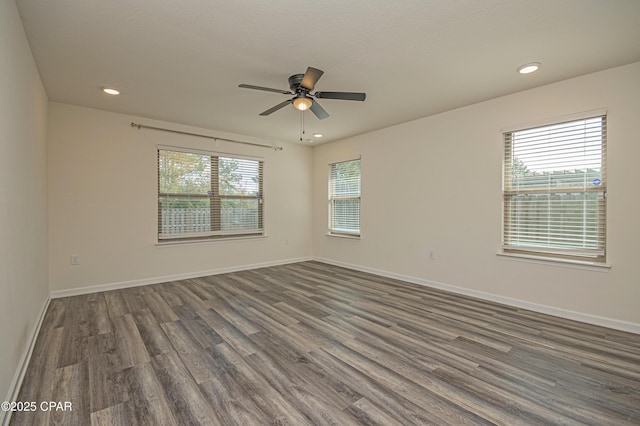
182 61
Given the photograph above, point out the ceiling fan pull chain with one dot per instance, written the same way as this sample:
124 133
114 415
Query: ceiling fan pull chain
301 125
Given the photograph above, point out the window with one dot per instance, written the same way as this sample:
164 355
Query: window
204 196
344 198
555 189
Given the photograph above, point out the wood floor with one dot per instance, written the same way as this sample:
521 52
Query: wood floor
314 344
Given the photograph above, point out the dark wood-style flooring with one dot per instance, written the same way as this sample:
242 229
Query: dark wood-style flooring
314 344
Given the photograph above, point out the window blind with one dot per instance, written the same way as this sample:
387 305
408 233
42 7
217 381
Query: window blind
555 189
344 198
203 195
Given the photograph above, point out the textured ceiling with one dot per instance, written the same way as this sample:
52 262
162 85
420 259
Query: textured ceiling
182 61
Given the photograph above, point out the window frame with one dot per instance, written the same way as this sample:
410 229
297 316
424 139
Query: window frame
332 198
596 256
215 197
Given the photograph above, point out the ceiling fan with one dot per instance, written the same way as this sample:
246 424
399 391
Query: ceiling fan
301 86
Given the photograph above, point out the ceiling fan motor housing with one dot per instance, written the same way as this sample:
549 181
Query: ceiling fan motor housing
294 83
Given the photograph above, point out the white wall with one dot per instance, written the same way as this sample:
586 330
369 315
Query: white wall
435 183
23 196
103 203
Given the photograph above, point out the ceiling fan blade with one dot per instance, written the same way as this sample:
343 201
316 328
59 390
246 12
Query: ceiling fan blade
311 77
346 96
266 89
318 111
277 107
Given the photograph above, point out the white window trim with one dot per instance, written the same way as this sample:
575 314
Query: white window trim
555 120
220 235
343 234
553 261
210 153
168 243
542 258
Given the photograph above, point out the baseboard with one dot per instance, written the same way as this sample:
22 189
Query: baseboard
18 377
167 278
544 309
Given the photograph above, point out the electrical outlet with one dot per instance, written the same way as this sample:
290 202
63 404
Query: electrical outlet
432 254
75 259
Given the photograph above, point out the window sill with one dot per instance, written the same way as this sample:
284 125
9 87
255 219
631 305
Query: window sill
345 236
169 243
566 263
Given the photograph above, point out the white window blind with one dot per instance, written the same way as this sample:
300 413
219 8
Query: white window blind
555 190
204 195
344 198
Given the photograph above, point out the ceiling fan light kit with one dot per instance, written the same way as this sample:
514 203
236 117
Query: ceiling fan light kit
302 103
301 86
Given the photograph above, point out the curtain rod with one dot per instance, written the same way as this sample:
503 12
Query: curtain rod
215 138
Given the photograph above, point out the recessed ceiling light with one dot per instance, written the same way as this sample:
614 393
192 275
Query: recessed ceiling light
318 135
529 68
110 91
